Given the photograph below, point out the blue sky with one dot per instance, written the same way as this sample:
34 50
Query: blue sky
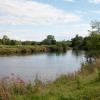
35 19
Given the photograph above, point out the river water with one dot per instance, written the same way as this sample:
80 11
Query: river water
47 66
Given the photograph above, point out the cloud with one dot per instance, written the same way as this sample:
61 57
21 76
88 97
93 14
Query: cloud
32 12
94 1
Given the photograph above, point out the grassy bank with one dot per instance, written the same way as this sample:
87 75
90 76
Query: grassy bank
83 85
28 49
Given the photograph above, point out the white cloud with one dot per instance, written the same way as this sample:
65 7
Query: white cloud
31 12
94 1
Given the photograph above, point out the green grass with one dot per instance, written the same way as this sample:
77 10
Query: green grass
83 85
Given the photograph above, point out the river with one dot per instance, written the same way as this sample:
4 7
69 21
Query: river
47 66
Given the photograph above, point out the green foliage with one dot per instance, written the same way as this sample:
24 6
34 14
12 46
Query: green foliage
93 44
50 40
77 42
62 45
5 37
5 40
94 41
90 43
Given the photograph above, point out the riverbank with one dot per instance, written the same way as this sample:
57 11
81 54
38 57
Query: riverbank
82 85
28 49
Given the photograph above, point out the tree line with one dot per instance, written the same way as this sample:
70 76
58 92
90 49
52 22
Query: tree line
49 40
49 44
89 43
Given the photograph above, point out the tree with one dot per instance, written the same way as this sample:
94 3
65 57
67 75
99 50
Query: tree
5 40
14 42
94 38
95 25
93 42
50 40
50 37
77 42
62 45
0 41
5 37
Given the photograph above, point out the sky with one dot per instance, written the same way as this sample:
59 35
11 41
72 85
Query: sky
35 19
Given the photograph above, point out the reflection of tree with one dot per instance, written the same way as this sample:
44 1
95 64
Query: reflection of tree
56 53
77 52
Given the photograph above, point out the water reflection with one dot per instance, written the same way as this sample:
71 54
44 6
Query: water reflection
56 53
46 65
77 53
